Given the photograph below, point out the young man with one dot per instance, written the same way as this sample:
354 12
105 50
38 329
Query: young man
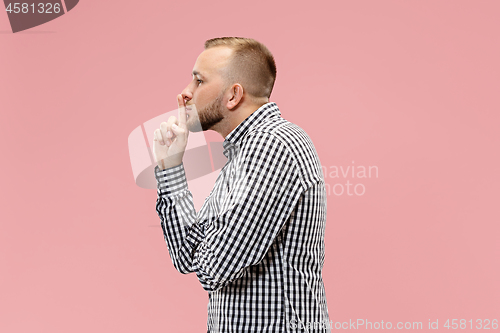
257 243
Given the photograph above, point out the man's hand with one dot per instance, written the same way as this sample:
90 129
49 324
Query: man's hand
170 140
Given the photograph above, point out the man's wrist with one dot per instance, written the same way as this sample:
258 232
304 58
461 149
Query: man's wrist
165 164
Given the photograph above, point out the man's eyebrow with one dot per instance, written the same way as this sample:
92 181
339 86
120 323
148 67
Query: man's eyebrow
197 73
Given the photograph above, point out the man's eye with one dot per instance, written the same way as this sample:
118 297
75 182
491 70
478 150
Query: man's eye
199 81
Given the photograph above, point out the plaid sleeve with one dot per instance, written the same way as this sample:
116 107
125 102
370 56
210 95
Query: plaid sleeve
175 208
264 189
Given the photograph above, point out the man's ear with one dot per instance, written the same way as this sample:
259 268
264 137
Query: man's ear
235 96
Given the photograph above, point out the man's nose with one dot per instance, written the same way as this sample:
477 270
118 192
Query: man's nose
187 94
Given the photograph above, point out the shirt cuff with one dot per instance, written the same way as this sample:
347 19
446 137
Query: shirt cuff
171 181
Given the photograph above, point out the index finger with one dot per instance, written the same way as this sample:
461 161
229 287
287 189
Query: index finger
182 111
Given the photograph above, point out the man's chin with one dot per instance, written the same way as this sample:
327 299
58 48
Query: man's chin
193 125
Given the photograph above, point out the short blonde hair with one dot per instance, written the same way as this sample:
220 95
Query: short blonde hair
251 65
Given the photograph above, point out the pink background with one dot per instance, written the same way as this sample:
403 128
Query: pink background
408 86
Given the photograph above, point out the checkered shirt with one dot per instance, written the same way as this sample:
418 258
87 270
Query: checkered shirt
257 243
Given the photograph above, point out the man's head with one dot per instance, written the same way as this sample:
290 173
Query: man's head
231 77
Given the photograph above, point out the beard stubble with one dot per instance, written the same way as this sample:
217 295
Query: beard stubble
210 115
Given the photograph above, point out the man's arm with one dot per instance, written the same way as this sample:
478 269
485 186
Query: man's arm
175 208
175 203
264 192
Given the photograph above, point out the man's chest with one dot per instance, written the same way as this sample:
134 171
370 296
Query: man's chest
219 199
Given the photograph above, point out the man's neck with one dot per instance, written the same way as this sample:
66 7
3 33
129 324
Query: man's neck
235 118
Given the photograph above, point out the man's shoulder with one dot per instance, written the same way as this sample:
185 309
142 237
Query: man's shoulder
291 135
296 141
279 128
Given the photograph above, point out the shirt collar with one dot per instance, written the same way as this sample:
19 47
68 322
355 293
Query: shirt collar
267 110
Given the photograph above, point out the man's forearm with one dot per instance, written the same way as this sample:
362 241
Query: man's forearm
176 210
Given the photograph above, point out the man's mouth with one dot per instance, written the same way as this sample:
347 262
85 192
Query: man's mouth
188 109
